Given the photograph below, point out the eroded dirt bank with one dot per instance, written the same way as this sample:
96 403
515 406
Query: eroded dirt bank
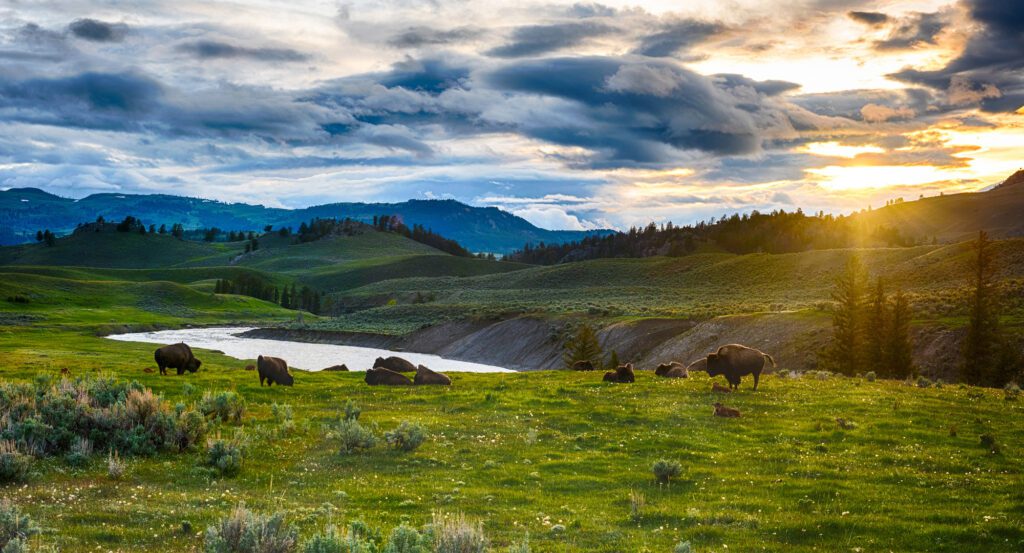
794 339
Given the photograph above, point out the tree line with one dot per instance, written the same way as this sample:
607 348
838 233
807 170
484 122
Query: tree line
304 298
775 232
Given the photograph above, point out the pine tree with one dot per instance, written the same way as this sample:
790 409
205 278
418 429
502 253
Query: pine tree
583 346
877 330
39 236
163 229
49 237
980 347
899 350
846 352
285 300
613 360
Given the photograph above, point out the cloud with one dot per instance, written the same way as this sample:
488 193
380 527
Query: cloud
677 36
532 40
916 30
874 19
419 36
876 113
98 31
962 91
212 49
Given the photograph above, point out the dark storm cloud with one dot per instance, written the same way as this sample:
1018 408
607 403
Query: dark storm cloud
677 36
915 30
533 40
92 100
97 31
416 37
990 70
213 49
768 88
868 18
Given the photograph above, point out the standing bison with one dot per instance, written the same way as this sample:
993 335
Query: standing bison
735 361
176 356
396 364
274 370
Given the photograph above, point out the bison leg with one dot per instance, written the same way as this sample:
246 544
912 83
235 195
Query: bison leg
163 369
181 371
261 381
757 378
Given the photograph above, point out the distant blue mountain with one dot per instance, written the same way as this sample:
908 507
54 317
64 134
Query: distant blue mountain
23 211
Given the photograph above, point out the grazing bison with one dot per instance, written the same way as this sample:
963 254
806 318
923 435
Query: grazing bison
250 367
427 376
274 370
718 388
379 376
622 373
176 356
337 368
585 365
396 364
672 370
735 361
728 412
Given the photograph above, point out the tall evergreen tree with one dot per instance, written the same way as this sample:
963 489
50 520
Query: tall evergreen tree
877 329
583 346
980 353
899 350
848 319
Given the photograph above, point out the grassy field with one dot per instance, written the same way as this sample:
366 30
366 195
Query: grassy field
527 451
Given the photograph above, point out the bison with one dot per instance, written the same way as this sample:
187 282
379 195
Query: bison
176 356
735 361
585 365
274 370
250 367
718 388
728 412
396 364
622 374
386 377
337 368
672 370
427 376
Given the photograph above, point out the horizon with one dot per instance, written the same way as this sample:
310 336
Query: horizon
573 116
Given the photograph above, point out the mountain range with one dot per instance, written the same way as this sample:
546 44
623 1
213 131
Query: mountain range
23 211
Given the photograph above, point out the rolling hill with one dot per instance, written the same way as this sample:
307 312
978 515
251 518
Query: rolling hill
23 211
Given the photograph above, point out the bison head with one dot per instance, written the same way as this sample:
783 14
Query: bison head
286 379
713 368
193 365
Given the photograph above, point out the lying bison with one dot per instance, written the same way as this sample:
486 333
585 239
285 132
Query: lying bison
396 364
427 376
622 374
735 361
274 370
728 412
379 376
176 356
337 368
585 365
672 370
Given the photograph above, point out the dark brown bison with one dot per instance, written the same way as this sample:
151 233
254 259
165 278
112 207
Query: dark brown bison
396 364
622 374
672 370
176 356
337 368
67 372
585 365
427 376
250 367
386 377
735 361
728 412
718 388
274 370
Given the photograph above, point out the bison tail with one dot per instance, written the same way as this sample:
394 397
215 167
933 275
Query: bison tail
770 360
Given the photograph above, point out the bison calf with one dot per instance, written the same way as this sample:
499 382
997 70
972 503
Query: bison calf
728 412
274 370
176 356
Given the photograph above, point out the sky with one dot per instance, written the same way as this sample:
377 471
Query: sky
574 115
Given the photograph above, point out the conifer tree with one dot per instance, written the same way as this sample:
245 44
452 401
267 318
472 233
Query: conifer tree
583 346
899 361
980 346
846 352
877 329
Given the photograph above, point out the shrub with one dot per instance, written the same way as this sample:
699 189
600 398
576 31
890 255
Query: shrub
1011 391
352 411
683 547
871 376
455 534
354 436
15 528
521 547
226 406
115 466
406 539
225 455
988 441
665 470
923 382
81 451
335 541
246 532
636 505
14 464
190 431
407 437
